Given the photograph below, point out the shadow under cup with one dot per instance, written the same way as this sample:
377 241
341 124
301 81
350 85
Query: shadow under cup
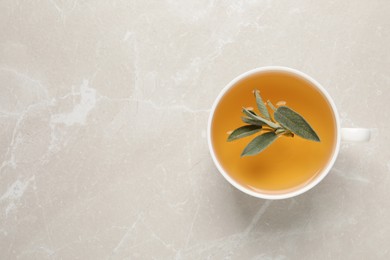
289 166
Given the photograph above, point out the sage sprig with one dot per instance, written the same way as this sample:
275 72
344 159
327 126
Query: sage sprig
285 122
243 131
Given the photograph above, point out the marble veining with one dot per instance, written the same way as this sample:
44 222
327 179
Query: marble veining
103 115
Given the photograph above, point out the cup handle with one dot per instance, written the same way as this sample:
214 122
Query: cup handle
355 134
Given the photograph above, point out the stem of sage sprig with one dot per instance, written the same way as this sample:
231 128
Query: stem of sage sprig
285 121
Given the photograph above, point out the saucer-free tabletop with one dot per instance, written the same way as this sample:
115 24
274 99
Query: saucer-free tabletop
103 115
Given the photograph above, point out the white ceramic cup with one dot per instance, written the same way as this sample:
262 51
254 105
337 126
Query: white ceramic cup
342 134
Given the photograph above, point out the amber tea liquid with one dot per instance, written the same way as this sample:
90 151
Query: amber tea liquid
288 163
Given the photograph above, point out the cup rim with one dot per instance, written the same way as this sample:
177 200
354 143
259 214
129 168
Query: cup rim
323 172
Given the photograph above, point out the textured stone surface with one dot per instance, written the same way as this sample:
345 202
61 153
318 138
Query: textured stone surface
103 112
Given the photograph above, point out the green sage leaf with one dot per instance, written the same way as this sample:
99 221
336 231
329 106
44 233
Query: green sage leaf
259 143
257 118
243 131
294 122
252 112
271 105
280 131
261 106
250 121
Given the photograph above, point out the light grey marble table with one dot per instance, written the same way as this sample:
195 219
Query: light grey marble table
103 114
